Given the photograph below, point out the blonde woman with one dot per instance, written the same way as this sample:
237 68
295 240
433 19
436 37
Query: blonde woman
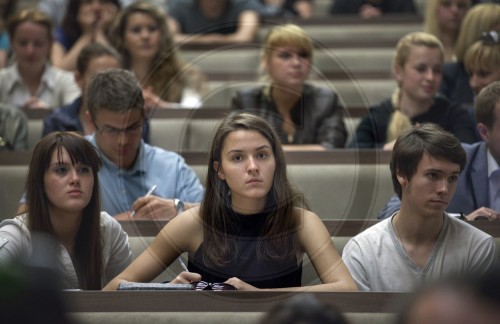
141 35
301 113
443 19
480 18
417 67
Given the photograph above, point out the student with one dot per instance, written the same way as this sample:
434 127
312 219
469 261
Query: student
458 300
71 117
85 21
131 167
213 21
480 18
141 34
443 19
372 8
420 242
13 129
62 194
301 113
477 184
250 230
32 82
417 67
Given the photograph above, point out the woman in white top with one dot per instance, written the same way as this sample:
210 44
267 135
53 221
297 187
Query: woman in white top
32 82
62 195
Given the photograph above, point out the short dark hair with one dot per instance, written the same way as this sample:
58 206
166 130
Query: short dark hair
116 90
485 103
414 142
92 51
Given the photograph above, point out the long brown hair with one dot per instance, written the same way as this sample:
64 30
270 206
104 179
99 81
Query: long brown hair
281 224
88 244
168 74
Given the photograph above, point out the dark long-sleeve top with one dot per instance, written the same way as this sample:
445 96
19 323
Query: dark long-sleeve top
318 116
352 6
455 84
372 130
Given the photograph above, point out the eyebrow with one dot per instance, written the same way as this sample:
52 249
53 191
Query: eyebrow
441 171
256 149
113 127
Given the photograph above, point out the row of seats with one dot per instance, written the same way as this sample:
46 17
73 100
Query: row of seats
336 188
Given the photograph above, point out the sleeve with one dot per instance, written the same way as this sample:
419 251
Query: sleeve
365 136
392 206
189 188
120 253
332 132
345 7
461 125
70 90
354 260
19 131
13 244
484 257
48 124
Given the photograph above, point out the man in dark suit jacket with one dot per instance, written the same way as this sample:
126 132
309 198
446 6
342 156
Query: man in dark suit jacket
474 196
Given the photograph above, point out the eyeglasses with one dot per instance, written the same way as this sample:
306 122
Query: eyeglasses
218 286
115 132
491 37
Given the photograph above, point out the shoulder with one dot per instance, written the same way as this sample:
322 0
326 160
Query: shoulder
18 224
375 233
464 230
250 91
59 74
159 155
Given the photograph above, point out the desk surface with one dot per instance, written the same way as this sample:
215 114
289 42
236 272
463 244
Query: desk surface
335 227
227 301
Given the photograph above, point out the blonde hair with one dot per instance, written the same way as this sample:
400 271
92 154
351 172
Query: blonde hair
480 18
400 121
431 23
482 56
285 35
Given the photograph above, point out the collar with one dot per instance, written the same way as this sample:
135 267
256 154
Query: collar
48 77
492 164
140 163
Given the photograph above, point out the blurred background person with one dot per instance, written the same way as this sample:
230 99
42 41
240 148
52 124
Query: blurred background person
85 21
443 19
308 116
480 18
32 82
213 21
13 129
372 8
7 9
417 67
141 35
303 9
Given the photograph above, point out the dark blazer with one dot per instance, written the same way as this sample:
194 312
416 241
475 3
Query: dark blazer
473 186
318 117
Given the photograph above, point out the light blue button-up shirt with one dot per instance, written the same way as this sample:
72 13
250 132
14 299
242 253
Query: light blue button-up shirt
153 166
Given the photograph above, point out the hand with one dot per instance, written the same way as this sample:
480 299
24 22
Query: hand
154 207
35 103
240 284
87 19
369 11
151 100
186 277
389 146
489 213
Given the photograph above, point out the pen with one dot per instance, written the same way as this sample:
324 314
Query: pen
183 264
153 188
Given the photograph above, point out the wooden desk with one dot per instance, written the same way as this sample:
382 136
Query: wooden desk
335 227
227 301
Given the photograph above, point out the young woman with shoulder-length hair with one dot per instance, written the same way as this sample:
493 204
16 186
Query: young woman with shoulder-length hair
62 197
418 66
251 230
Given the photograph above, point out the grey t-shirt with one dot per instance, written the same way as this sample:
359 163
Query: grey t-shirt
378 262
